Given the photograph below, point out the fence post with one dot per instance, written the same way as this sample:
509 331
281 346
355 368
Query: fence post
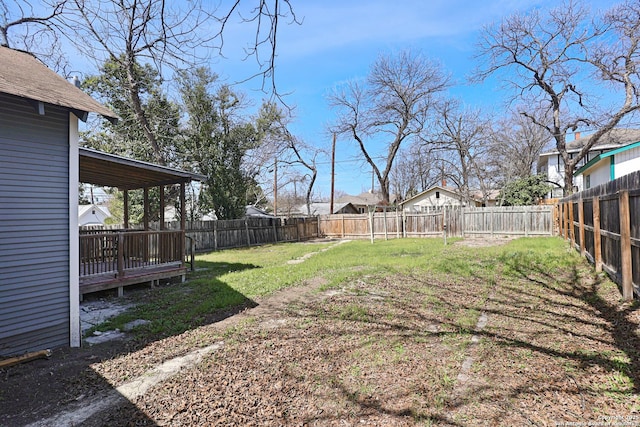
342 216
581 225
526 223
397 224
490 221
275 230
565 219
569 224
597 248
444 224
215 236
386 236
246 226
625 246
371 211
404 224
572 233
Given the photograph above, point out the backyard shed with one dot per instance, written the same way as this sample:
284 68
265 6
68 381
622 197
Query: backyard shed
39 112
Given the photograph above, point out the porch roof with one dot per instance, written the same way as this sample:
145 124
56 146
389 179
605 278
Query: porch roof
109 170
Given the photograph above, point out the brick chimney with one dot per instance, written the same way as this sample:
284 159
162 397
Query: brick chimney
577 136
444 182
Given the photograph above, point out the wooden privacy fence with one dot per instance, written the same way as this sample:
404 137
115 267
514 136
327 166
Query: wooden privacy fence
226 234
459 221
495 221
509 221
603 223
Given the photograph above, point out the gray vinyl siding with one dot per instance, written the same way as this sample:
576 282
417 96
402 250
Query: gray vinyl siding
34 227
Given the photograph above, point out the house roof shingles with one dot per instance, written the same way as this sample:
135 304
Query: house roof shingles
23 75
614 139
366 198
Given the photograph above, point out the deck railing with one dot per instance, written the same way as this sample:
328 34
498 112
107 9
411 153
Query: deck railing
116 252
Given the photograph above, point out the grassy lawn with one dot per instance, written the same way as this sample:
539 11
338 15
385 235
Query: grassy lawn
391 337
232 278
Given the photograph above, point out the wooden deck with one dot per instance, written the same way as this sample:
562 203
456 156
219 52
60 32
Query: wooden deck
115 259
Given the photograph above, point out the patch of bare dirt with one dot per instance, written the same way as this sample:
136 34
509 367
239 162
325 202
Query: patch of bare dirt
485 241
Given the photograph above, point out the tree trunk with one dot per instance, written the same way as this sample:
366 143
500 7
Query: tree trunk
384 189
568 179
134 96
309 190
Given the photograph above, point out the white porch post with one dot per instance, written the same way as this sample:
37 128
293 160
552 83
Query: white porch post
74 235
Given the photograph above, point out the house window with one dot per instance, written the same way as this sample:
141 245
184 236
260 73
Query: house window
437 194
361 210
588 181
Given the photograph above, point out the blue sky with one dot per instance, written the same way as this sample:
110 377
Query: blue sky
339 40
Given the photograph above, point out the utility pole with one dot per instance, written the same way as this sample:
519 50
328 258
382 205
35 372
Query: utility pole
333 172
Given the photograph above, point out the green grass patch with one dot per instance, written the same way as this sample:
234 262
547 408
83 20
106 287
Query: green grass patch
353 312
233 278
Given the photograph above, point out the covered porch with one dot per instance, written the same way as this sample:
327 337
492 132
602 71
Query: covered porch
113 259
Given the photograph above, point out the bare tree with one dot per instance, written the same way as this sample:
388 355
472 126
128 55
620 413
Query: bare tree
265 16
308 162
35 28
414 171
391 107
279 145
459 143
515 145
560 59
134 32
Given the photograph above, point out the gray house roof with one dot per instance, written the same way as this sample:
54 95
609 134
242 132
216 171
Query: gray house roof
23 75
255 212
323 208
367 198
614 139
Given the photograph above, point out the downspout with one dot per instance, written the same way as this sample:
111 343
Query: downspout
612 168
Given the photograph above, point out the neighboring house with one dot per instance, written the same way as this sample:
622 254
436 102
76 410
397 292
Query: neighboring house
172 214
610 165
92 214
255 212
39 168
485 198
551 163
438 196
324 208
363 201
